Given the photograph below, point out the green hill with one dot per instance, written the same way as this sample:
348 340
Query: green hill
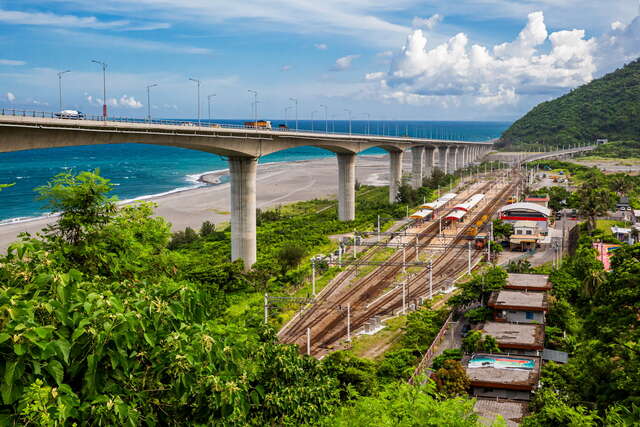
608 107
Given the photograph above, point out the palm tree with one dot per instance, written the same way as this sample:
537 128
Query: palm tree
592 282
621 184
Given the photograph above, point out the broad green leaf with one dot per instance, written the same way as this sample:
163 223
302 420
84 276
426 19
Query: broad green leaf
3 337
56 370
8 382
64 347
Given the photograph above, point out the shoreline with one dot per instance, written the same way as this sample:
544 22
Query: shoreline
200 180
277 183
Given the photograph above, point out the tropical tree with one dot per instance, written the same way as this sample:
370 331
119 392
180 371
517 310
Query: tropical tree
452 380
594 199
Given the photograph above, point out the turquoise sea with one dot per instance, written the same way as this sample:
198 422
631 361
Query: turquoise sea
141 170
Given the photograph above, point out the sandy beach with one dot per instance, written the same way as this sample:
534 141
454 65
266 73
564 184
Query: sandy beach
277 183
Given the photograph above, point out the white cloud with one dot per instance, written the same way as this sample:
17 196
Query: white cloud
364 19
14 17
321 46
428 23
11 62
620 45
124 101
93 39
489 76
286 67
344 63
375 76
10 97
129 101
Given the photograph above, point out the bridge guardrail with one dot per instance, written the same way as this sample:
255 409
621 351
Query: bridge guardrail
203 123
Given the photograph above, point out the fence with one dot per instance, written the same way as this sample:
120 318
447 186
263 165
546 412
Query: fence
426 358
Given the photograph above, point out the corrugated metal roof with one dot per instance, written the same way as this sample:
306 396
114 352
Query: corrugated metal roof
422 213
555 355
526 206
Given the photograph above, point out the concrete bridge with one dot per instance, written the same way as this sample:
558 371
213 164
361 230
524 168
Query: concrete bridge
243 146
561 154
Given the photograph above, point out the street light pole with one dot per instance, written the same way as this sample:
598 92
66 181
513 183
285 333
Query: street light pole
255 107
286 115
60 85
349 111
197 82
209 105
104 87
326 118
368 123
149 100
295 100
312 114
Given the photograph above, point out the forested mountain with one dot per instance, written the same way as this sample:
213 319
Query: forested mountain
608 107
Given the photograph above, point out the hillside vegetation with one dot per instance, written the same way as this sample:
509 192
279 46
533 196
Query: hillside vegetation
608 107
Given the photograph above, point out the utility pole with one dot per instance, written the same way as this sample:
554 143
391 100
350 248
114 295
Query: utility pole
349 111
312 114
286 115
469 259
209 105
308 341
149 100
430 279
295 100
349 322
104 87
255 107
60 74
378 228
326 118
404 297
313 277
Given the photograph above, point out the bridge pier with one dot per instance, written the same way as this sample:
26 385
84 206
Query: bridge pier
416 166
459 158
452 160
395 174
346 186
243 209
443 153
429 153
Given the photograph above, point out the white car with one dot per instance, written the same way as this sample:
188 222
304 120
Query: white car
70 114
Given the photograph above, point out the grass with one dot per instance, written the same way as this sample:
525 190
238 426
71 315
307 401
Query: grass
364 345
605 225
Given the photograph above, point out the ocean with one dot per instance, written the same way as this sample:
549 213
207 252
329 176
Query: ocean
138 170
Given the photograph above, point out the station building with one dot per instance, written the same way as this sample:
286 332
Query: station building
526 211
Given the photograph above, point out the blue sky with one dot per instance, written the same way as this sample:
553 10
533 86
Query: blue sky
407 59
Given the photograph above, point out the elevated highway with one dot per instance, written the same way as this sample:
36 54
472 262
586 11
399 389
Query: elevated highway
242 146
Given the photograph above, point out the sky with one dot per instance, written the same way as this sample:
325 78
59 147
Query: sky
405 59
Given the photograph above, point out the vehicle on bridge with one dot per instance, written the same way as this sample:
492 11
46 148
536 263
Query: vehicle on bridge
266 124
70 114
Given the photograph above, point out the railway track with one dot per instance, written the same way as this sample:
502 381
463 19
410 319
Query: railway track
327 318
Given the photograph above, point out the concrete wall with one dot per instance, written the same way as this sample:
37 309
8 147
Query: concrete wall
516 316
501 393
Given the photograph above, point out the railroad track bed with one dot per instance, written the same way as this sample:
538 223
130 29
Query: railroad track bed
343 302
